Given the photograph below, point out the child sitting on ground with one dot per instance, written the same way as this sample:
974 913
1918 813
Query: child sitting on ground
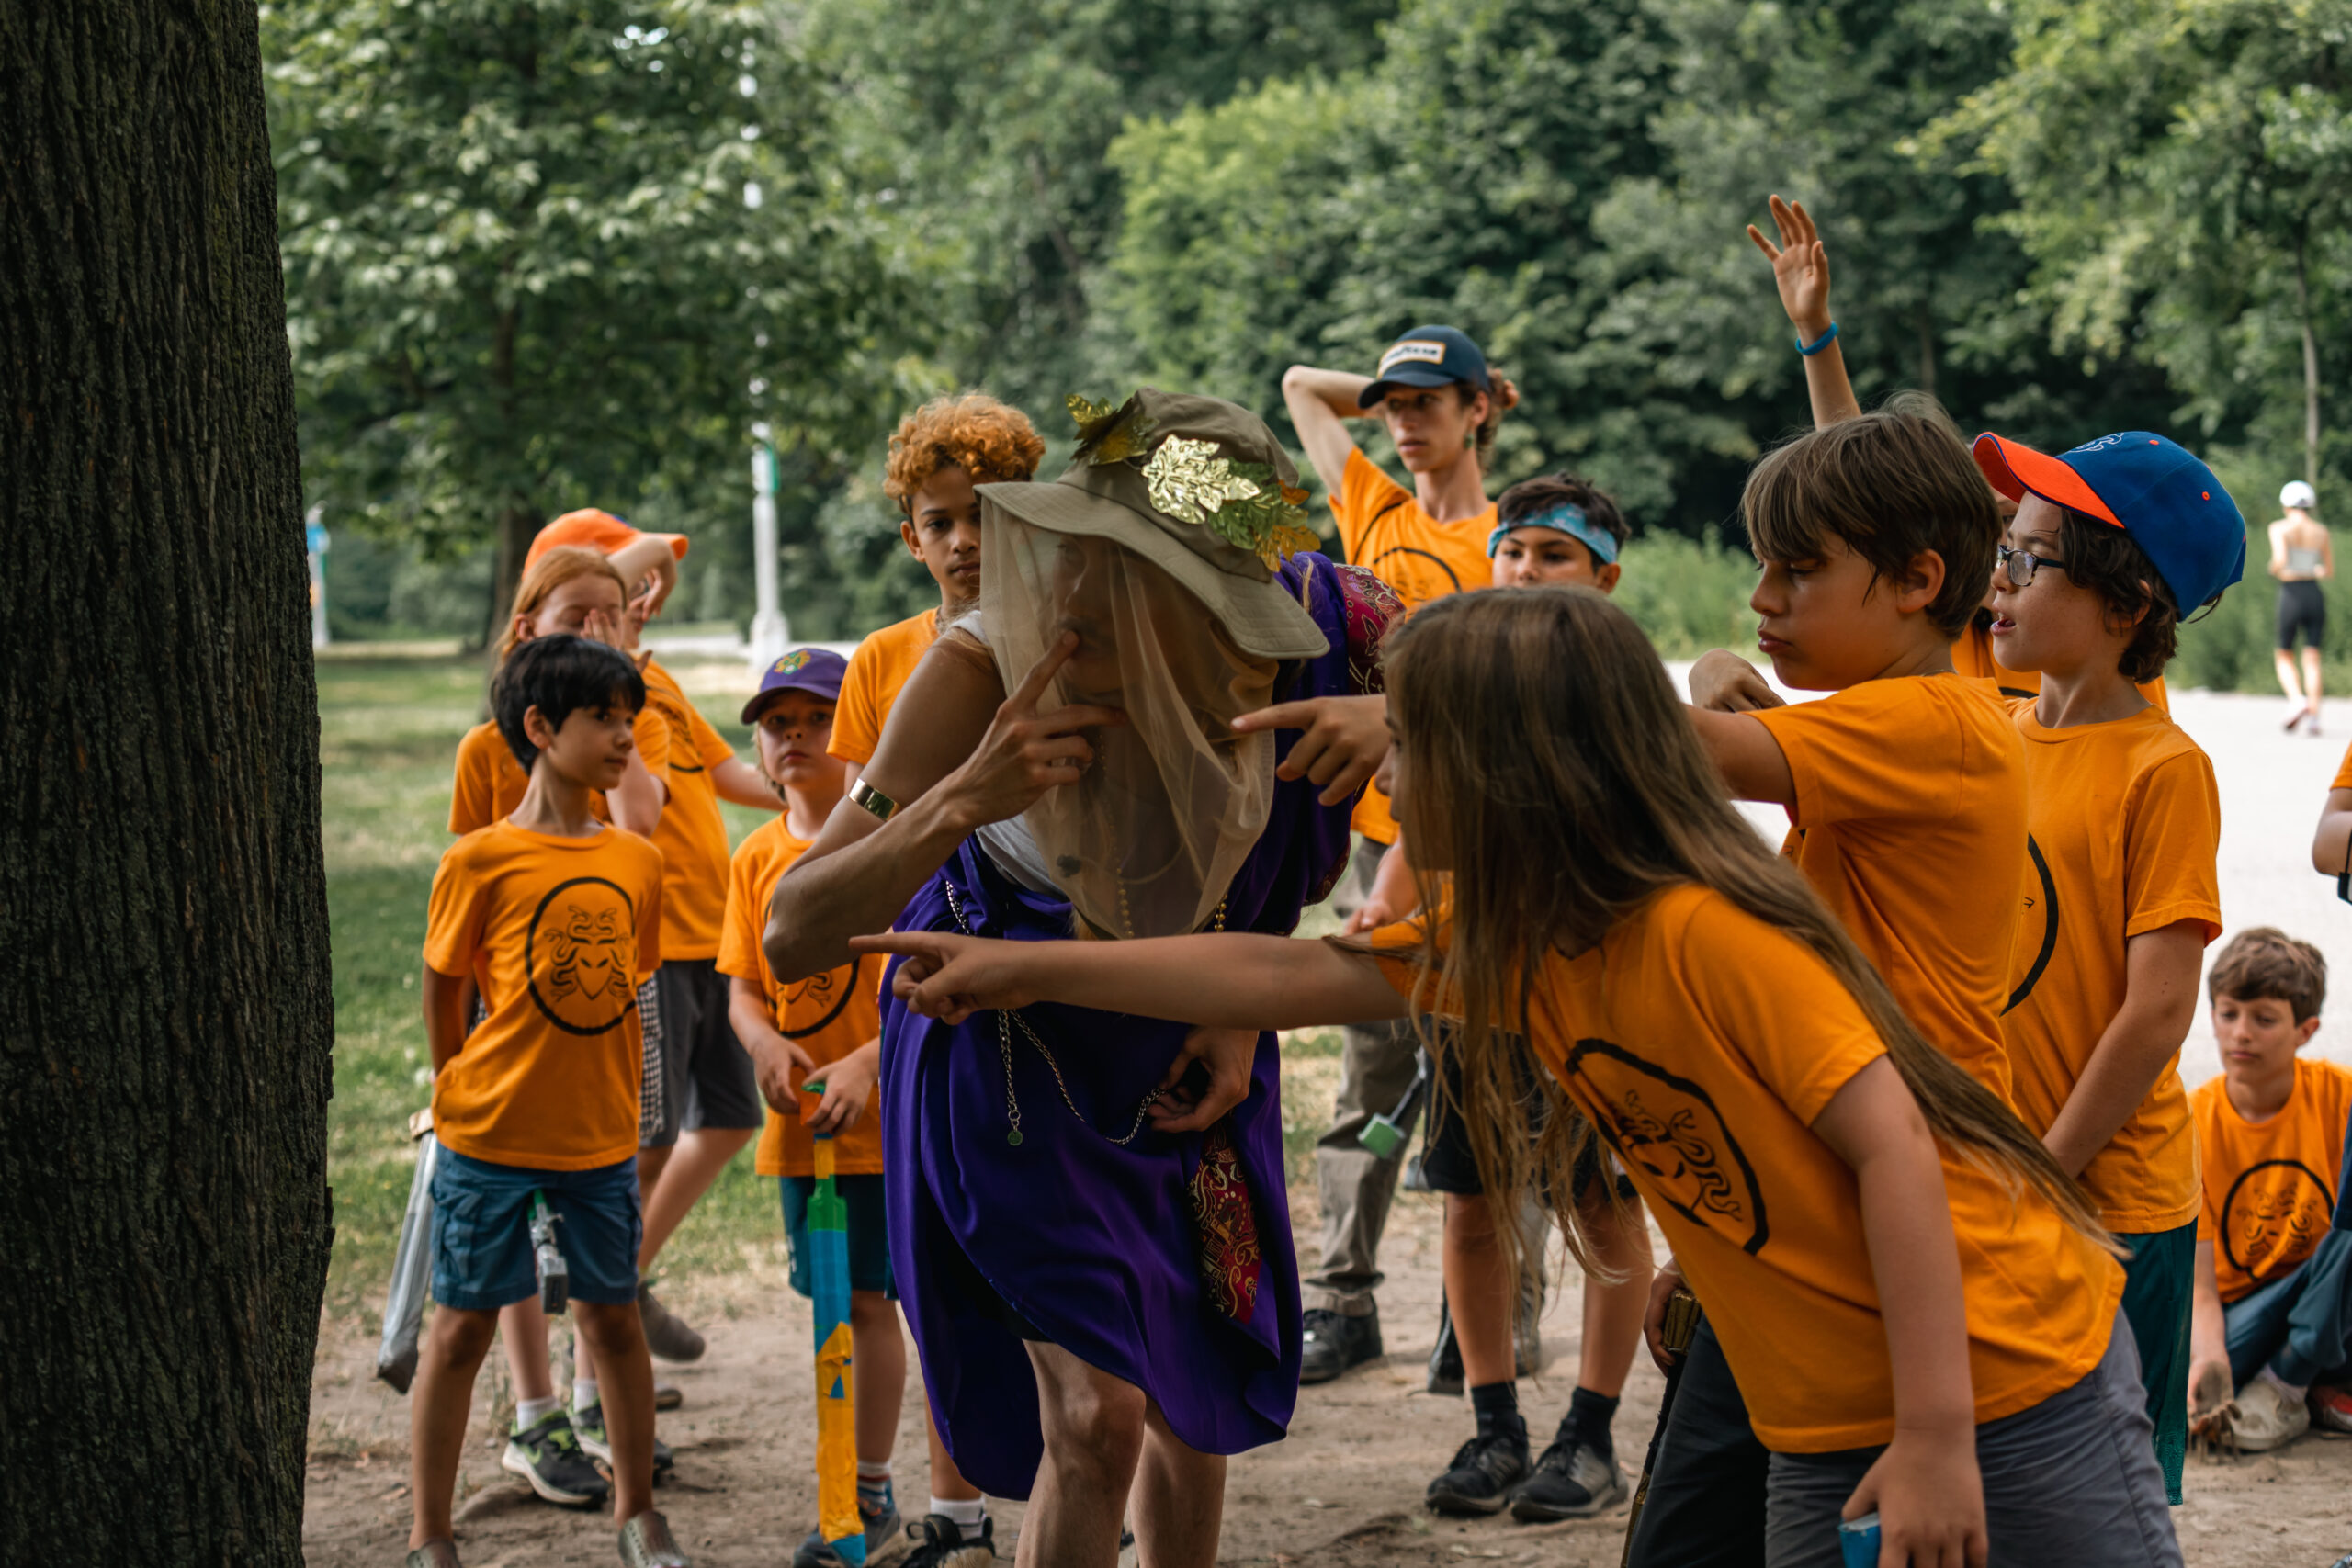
554 918
830 1027
1558 531
2274 1281
2123 819
1927 1332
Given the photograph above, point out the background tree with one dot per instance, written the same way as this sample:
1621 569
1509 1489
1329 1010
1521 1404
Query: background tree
549 254
163 1207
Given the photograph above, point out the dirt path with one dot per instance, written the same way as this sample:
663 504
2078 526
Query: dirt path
1343 1490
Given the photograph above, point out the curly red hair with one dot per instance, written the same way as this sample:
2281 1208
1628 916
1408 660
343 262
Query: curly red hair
990 441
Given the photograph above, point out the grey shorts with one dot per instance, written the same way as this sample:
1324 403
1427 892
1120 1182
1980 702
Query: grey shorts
2073 1481
706 1079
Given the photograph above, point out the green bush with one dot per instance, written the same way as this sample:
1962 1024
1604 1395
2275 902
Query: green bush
1688 594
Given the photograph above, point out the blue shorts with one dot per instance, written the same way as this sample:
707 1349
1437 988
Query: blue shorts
869 1232
481 1231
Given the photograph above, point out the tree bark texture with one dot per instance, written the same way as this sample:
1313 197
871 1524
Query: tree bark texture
166 1020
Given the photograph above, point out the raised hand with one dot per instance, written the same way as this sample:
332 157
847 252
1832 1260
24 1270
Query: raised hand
1800 267
1345 739
951 978
1024 753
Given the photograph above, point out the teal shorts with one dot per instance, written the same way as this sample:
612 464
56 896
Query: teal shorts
869 1232
2156 1295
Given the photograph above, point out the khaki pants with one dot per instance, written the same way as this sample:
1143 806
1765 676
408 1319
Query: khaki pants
1376 1066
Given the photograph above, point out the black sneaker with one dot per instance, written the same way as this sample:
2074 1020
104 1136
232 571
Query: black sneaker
1445 1356
1336 1341
940 1543
1572 1481
1480 1480
550 1457
588 1425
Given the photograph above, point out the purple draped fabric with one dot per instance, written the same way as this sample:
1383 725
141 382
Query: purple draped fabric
1090 1241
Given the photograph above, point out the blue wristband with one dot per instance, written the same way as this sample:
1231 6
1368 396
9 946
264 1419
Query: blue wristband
1818 345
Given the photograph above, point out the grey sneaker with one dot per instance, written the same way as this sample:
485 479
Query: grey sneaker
440 1552
666 1335
588 1425
550 1457
646 1543
1484 1473
1572 1481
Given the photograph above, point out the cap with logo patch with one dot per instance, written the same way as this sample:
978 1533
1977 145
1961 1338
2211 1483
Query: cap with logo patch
2154 490
816 671
1428 357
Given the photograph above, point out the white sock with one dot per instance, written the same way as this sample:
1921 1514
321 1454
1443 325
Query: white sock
967 1512
2291 1390
874 1470
529 1412
584 1394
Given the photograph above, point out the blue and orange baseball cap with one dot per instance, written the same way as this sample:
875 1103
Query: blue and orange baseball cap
816 671
2156 490
1428 357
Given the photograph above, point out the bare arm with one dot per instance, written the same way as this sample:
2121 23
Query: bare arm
636 802
2279 550
445 1014
1233 979
742 784
2326 555
1319 402
2160 969
2333 840
1925 1486
2210 1384
957 753
1801 269
1395 893
1725 689
650 568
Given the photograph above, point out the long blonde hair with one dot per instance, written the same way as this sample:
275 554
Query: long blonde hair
565 563
1549 765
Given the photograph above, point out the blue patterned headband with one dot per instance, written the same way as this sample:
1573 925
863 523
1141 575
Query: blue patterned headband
1567 518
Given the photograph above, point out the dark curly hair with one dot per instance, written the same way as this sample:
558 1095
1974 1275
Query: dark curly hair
991 441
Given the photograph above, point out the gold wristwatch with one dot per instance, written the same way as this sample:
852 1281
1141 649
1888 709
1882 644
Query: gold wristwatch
867 797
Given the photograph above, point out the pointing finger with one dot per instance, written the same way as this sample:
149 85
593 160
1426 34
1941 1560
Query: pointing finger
1032 685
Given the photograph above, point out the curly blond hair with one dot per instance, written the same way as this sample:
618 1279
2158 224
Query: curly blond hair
990 441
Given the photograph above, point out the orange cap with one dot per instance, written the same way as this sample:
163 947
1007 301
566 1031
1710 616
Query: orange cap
600 531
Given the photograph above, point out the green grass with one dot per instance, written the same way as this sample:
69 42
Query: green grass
388 732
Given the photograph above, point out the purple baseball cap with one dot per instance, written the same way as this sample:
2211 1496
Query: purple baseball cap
814 671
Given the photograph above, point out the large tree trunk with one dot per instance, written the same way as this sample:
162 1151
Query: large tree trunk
165 1021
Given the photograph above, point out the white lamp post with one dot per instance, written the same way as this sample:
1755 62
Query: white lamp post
770 634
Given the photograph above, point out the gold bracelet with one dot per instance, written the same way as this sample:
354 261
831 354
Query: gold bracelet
871 800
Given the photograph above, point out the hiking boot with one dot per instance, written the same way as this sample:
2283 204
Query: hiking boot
438 1552
1483 1471
588 1425
666 1335
550 1457
1572 1481
940 1543
1445 1356
646 1543
1336 1341
2266 1416
2331 1408
883 1541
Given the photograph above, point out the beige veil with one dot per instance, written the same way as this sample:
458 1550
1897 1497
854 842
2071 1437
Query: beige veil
1147 840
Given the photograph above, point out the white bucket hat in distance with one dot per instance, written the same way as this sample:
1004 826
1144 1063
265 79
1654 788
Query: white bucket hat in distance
1177 479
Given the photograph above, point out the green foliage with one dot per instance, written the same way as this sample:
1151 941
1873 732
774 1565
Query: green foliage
1688 594
522 271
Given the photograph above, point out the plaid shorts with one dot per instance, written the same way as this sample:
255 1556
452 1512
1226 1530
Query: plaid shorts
649 1082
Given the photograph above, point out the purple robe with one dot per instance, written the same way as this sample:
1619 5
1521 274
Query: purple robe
1094 1241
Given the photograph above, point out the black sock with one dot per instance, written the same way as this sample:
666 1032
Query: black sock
1587 1420
1497 1406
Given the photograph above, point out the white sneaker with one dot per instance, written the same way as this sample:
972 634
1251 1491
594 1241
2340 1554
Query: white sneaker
2266 1416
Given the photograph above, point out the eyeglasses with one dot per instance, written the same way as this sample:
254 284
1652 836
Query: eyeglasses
2020 566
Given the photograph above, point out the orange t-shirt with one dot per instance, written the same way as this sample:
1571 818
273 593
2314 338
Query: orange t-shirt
489 783
692 835
2123 821
2270 1189
1910 824
1383 529
1973 655
828 1015
1702 1043
556 934
876 670
2343 772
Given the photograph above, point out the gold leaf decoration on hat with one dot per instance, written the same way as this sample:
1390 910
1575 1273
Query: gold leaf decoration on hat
1189 481
1109 433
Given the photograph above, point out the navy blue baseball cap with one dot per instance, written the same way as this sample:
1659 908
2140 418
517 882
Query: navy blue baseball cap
814 671
1427 357
2154 490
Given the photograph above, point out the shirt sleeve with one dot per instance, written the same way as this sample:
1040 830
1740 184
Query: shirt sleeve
1777 1003
648 919
471 790
2209 1175
2169 870
652 737
1882 749
856 728
709 745
1366 495
738 932
2343 772
454 915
